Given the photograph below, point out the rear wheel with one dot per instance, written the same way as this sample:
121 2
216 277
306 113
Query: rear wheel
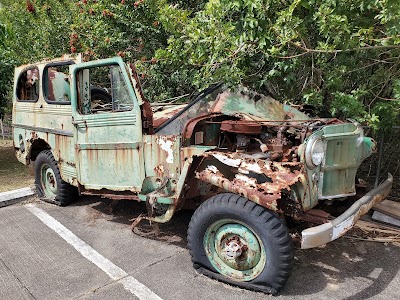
239 242
49 185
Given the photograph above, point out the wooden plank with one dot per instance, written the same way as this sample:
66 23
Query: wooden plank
375 226
390 208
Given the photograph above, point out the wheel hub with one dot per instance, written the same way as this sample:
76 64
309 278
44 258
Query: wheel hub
49 182
50 179
233 248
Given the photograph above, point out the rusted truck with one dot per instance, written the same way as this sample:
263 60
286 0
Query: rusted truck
244 161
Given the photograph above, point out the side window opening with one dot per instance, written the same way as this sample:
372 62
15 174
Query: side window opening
28 85
103 89
57 83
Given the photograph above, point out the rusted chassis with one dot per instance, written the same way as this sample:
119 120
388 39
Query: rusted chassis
325 233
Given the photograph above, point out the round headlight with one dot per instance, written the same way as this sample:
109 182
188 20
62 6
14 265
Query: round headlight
317 152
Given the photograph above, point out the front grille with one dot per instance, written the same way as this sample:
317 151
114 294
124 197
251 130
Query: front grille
342 158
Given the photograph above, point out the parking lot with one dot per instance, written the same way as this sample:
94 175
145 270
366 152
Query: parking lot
87 251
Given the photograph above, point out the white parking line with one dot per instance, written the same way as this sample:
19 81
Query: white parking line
116 273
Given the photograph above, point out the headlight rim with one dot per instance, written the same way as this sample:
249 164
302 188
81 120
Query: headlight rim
309 152
321 159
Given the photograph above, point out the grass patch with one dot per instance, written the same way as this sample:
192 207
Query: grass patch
13 174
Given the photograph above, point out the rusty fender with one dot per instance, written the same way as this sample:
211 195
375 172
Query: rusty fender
325 233
281 176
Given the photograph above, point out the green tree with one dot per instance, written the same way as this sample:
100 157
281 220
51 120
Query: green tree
343 57
340 56
50 28
6 69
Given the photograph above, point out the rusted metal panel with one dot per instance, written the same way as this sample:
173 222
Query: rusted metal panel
199 106
162 155
241 127
114 195
40 125
107 152
165 113
242 103
264 190
191 124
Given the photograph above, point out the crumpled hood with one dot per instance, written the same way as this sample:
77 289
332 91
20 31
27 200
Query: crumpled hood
249 105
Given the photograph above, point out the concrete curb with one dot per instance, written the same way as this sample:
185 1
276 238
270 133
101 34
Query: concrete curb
12 197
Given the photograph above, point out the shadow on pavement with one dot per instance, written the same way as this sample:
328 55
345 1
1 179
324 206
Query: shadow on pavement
315 270
342 261
124 211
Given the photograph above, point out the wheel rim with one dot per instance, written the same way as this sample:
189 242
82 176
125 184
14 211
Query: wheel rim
49 182
234 250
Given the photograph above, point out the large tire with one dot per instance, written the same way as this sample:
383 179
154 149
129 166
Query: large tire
49 185
100 94
241 243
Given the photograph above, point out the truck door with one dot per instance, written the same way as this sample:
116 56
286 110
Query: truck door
108 127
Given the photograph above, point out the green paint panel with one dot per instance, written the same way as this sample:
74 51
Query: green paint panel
109 150
162 155
261 106
340 167
345 150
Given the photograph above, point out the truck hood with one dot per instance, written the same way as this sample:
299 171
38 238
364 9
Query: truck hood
241 102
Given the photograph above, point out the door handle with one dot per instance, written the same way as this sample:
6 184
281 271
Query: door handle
78 122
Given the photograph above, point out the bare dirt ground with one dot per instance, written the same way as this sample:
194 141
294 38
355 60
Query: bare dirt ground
13 174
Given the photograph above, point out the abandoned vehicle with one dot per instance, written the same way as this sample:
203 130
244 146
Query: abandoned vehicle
247 163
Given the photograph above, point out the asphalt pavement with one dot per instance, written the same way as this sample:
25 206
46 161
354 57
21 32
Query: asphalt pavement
87 251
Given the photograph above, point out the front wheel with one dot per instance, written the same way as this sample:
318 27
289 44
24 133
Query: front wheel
239 242
49 184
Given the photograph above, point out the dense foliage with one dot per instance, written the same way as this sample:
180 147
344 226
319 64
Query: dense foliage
342 57
6 65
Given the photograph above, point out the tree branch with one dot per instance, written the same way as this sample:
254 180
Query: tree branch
309 50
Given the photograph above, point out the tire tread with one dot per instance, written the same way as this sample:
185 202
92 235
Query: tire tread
66 193
268 220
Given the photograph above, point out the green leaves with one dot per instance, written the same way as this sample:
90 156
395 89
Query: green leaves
346 105
386 114
6 67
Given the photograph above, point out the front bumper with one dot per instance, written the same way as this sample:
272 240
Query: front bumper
325 233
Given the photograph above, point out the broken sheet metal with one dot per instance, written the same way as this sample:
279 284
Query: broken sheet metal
199 106
257 179
164 113
250 105
241 103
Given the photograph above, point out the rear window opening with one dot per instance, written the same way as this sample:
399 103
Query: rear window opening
56 83
28 85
